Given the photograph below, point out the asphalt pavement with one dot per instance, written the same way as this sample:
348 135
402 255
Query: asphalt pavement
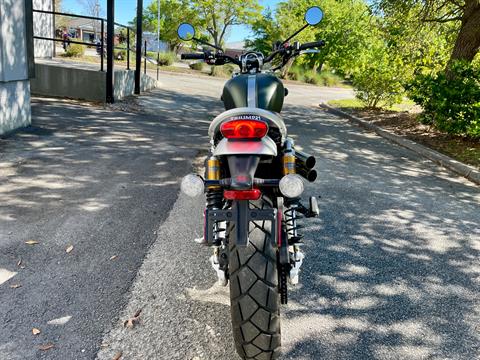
100 181
391 269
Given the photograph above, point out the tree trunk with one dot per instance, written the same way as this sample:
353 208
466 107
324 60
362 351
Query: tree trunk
467 44
287 67
320 67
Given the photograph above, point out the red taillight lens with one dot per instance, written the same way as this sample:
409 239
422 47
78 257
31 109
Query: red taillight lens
244 129
253 194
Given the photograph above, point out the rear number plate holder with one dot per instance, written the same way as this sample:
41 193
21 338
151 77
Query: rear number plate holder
241 215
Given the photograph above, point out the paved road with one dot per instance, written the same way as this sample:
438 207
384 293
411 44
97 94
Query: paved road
101 181
392 263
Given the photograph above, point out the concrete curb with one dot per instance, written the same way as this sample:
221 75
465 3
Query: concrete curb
457 167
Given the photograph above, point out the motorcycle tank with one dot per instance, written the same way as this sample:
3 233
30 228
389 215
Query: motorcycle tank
269 92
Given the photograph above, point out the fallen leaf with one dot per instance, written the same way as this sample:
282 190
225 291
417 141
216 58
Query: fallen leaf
35 331
130 323
15 286
46 347
69 249
113 257
31 242
117 356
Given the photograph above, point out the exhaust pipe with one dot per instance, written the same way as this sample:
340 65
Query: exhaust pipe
306 160
309 174
304 164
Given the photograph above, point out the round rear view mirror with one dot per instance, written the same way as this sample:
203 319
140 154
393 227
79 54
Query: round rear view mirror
186 31
314 15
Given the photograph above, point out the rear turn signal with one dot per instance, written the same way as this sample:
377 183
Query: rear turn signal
192 185
253 194
291 185
244 129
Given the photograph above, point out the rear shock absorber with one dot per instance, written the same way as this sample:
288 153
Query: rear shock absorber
214 197
289 158
294 240
291 215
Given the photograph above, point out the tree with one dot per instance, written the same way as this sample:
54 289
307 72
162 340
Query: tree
346 29
465 14
172 14
217 16
266 31
93 8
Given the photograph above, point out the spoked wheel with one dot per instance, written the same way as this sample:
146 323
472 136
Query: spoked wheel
254 293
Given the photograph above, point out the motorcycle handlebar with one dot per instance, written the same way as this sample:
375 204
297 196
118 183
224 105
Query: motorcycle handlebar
193 56
310 45
315 44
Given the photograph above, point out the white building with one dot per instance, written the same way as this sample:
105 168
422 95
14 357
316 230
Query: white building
17 58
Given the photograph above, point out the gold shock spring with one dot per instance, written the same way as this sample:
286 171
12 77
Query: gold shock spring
213 169
289 164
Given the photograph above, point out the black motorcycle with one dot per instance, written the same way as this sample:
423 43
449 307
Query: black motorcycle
253 185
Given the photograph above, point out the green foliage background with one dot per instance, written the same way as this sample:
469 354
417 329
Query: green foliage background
382 48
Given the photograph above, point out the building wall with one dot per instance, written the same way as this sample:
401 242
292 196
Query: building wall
74 83
43 26
69 82
14 83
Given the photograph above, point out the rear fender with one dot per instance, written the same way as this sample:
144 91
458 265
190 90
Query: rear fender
263 147
242 171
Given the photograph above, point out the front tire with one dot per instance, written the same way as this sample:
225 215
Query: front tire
254 295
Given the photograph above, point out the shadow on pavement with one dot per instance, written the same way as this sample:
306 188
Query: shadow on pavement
392 263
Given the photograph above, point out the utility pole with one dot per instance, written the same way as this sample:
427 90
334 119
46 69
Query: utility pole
158 37
138 64
110 43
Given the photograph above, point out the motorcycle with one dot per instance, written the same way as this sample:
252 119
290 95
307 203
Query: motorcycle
253 186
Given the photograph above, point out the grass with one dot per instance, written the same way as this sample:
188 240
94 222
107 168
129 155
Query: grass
324 78
346 103
405 105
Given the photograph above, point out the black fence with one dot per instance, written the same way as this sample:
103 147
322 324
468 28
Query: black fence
101 46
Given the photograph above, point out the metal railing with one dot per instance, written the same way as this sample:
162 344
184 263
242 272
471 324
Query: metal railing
105 47
102 45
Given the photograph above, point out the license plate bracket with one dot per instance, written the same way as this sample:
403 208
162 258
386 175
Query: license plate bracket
241 215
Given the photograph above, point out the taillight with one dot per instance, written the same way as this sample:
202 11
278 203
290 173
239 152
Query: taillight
253 194
244 129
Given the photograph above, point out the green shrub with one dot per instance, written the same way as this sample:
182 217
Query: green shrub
167 58
222 71
324 78
120 54
197 66
312 77
296 73
75 50
378 85
450 102
329 79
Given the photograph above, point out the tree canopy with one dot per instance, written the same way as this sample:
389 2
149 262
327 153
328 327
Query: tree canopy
385 48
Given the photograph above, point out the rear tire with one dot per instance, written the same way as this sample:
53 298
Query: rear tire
254 295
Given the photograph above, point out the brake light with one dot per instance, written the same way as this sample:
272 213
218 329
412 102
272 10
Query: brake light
244 129
253 194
